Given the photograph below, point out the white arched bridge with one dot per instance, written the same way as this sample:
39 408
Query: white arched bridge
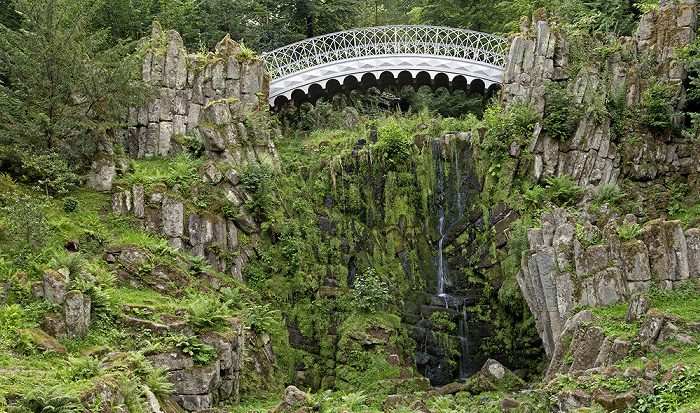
385 56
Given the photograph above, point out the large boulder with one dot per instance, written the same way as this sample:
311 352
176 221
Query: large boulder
43 341
292 398
651 326
55 286
639 304
76 312
102 172
493 376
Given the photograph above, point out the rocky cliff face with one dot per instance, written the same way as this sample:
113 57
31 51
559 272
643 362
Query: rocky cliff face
193 90
603 149
568 266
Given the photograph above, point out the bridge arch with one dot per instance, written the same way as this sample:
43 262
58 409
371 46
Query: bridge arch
385 56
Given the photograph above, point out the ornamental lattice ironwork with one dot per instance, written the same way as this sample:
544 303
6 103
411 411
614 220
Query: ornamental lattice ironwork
440 43
386 40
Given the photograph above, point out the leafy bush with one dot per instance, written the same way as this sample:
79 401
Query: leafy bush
201 353
26 222
232 298
11 318
132 392
244 54
86 367
229 209
394 142
53 399
628 231
355 401
51 174
206 312
562 190
504 127
561 114
199 265
255 176
183 169
608 194
535 196
656 110
70 204
262 318
75 262
194 145
616 106
157 381
443 322
671 395
372 293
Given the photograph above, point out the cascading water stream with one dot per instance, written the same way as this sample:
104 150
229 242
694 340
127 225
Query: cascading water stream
463 331
441 264
449 191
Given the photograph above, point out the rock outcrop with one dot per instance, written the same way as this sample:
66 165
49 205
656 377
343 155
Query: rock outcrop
541 55
562 272
216 99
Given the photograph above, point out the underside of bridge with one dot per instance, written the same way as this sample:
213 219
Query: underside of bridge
328 89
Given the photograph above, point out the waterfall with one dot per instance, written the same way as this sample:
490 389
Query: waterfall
439 198
462 331
441 264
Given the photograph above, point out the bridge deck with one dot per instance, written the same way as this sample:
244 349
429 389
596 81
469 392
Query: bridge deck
360 57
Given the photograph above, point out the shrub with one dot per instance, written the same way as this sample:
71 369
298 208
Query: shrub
26 222
70 204
232 298
83 368
608 194
656 111
206 312
394 142
183 170
262 318
255 176
54 399
372 293
229 209
75 262
535 196
244 54
628 231
443 322
201 353
47 169
562 190
561 114
504 127
157 381
198 265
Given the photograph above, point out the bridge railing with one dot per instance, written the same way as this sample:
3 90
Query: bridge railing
386 40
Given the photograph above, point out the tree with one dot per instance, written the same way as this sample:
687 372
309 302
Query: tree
66 85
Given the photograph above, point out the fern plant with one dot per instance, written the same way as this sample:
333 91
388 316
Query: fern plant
608 194
157 381
51 399
562 190
83 368
261 318
206 312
